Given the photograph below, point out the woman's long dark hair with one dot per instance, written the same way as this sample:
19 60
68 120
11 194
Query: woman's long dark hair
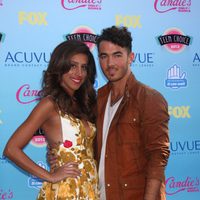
85 96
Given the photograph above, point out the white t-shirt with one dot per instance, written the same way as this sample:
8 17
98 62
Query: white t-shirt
108 116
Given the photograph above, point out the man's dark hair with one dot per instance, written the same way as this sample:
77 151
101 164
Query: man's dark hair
117 35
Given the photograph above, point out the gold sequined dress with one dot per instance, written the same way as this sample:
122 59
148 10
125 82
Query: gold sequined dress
76 147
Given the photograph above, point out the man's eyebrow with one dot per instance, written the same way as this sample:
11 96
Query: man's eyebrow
100 54
117 52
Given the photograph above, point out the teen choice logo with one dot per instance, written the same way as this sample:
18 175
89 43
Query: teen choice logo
174 40
84 34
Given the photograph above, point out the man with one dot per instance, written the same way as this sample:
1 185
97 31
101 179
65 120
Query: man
132 126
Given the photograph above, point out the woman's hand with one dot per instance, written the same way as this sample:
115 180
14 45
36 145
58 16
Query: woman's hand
68 170
52 158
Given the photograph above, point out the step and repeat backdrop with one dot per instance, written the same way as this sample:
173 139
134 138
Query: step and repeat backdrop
166 43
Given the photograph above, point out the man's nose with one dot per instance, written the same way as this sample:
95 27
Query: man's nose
110 61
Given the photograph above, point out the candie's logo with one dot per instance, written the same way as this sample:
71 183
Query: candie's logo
188 184
163 6
89 4
84 34
174 40
26 95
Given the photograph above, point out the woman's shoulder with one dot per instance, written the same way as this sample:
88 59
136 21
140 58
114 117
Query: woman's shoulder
48 103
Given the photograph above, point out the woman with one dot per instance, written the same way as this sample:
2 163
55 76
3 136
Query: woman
66 113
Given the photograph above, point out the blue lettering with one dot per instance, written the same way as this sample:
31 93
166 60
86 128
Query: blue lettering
171 146
38 59
197 144
145 58
149 58
25 58
192 146
196 58
8 57
186 145
20 61
47 61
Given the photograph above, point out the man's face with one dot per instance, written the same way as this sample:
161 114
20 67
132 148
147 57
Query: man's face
114 60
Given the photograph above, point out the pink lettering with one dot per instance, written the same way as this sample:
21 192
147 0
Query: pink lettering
24 91
169 5
74 4
161 4
6 195
65 2
178 186
38 141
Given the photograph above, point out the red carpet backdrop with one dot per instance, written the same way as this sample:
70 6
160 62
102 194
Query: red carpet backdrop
166 42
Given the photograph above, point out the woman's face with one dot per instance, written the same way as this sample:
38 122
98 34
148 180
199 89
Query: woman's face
75 77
